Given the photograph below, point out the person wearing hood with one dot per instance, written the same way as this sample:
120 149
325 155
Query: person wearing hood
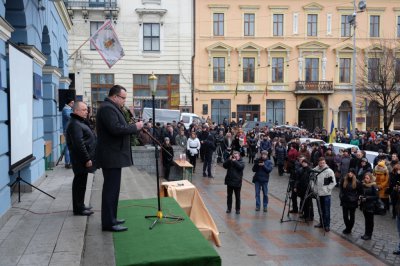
208 149
364 168
167 157
262 168
367 202
350 191
381 174
233 180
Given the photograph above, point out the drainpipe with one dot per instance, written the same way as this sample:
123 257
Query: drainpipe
194 50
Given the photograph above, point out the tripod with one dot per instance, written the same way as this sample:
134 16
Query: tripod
288 197
19 180
312 194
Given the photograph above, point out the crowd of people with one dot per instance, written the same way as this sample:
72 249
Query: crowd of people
362 184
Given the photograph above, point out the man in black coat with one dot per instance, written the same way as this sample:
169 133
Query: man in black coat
233 179
82 146
113 152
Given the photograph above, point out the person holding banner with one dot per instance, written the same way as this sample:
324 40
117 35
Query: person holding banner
113 152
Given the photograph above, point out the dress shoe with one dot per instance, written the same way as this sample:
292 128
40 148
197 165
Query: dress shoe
237 211
318 226
88 208
84 213
204 175
346 232
115 228
119 221
365 237
257 209
210 176
265 210
228 211
327 229
397 252
293 211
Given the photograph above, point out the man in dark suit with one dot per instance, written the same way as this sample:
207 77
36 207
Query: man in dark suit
113 152
82 145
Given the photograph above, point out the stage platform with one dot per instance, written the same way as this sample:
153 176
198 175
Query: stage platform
168 243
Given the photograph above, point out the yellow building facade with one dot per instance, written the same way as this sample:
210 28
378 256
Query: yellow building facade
287 61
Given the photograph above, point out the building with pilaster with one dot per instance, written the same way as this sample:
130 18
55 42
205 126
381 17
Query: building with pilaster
156 35
288 61
38 28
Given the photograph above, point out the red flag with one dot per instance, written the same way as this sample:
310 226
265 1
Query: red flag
107 44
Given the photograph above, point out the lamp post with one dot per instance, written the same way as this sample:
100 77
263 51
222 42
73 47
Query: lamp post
361 6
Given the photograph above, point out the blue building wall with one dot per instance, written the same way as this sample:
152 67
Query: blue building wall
43 29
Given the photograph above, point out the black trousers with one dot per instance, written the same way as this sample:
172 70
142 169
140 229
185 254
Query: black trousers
78 192
348 217
369 223
110 195
167 170
295 207
192 160
237 197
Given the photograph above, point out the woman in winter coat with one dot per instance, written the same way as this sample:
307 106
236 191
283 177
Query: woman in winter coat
381 174
193 148
251 147
367 203
281 154
350 191
301 184
167 157
393 184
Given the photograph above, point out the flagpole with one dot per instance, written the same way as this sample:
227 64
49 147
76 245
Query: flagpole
78 48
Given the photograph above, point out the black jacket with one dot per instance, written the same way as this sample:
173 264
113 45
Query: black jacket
234 174
209 147
349 195
81 143
368 197
113 133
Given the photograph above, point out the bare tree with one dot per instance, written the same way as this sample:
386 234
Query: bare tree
378 80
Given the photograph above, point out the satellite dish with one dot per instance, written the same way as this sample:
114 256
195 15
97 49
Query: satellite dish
362 5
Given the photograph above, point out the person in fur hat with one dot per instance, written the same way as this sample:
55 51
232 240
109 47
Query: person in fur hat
367 202
381 174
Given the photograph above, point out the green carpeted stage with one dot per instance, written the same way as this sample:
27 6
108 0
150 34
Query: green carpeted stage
168 243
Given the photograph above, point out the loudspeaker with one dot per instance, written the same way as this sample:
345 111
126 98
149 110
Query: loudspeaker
63 96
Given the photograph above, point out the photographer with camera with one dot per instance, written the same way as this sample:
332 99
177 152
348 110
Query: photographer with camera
233 179
261 168
301 184
325 183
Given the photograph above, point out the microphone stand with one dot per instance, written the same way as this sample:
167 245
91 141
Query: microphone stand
157 144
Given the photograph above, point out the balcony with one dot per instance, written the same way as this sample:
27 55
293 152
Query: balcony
314 87
107 4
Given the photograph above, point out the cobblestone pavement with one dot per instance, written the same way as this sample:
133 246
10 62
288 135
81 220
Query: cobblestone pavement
385 238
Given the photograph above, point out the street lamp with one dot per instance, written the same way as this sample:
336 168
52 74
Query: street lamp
362 5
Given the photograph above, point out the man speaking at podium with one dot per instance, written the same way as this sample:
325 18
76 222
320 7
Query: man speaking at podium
113 152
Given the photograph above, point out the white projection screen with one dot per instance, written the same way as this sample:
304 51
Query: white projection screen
20 108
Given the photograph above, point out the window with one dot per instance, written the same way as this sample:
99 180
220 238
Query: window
344 70
398 26
100 85
276 111
248 69
374 26
151 37
373 69
220 109
219 69
278 25
312 21
249 24
277 69
312 69
94 26
397 71
218 24
345 26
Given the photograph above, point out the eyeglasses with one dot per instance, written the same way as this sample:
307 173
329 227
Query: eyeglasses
123 98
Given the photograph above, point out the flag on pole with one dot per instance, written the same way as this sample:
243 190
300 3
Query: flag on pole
349 128
332 134
106 42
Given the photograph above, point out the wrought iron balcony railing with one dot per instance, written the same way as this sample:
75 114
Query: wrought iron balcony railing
106 4
314 87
